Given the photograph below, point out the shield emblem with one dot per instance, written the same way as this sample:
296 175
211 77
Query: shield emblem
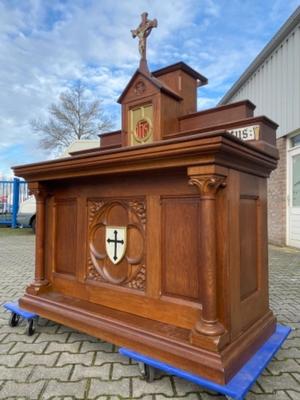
115 243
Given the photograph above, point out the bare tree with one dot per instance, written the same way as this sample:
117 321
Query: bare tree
73 117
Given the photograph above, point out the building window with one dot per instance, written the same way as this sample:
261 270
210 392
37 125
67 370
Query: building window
295 141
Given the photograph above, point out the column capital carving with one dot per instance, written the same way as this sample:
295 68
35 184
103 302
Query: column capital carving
38 190
208 185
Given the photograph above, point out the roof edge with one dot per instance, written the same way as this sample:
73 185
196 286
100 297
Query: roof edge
155 81
285 29
185 67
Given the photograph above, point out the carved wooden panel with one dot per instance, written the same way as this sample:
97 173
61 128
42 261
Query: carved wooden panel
180 247
131 215
65 235
248 245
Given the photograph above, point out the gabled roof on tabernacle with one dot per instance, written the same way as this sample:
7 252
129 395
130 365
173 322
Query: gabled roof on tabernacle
277 39
184 67
156 82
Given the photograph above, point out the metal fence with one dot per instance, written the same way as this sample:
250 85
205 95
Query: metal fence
12 193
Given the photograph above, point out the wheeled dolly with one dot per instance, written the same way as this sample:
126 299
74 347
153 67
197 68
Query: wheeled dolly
18 314
238 386
147 372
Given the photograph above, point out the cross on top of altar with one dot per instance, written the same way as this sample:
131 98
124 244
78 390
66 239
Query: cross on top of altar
142 32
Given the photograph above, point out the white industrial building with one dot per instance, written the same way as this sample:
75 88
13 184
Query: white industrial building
272 83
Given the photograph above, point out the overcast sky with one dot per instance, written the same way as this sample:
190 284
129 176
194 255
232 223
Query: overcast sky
47 44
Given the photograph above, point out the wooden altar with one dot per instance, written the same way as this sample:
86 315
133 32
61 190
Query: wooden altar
157 240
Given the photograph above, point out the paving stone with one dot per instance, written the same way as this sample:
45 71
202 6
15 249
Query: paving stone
16 374
295 333
81 371
183 387
280 395
2 333
108 398
55 388
292 342
55 337
36 348
51 330
120 370
102 358
272 383
81 337
212 396
64 329
18 337
96 346
294 395
59 373
66 347
43 322
288 353
140 387
21 390
10 360
295 325
297 377
277 367
62 398
98 387
191 396
5 347
256 389
68 358
38 359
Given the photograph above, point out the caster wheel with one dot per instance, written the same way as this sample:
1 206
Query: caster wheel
14 320
30 330
147 372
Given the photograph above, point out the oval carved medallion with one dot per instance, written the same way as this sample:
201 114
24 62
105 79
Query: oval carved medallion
139 87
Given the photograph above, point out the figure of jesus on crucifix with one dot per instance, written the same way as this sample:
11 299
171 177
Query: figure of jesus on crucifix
142 32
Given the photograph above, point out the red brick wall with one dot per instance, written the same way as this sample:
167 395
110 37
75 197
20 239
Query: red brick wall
277 198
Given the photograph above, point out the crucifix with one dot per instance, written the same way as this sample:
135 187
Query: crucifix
142 32
115 241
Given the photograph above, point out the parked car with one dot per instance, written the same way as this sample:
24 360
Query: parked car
27 213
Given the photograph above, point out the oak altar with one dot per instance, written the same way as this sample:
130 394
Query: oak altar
157 240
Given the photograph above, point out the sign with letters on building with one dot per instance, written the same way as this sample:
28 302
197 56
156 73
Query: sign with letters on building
246 132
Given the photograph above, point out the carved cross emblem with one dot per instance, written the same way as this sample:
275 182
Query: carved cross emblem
115 243
142 32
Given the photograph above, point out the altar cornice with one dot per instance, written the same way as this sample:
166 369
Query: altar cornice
214 147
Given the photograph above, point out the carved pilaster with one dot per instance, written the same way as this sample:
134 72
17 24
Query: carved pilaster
40 195
208 186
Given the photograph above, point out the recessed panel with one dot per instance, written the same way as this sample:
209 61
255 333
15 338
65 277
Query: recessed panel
180 247
248 246
66 236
